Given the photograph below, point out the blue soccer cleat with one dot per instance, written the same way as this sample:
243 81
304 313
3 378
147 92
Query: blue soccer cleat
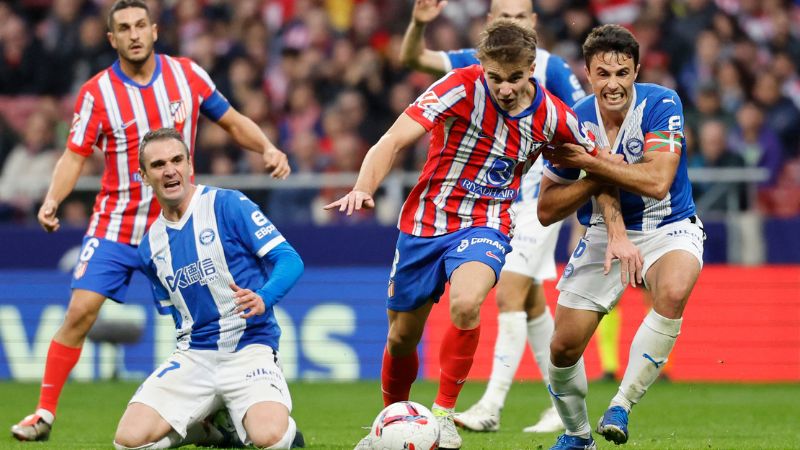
567 442
614 425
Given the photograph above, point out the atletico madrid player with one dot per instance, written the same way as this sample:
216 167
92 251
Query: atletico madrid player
140 92
488 121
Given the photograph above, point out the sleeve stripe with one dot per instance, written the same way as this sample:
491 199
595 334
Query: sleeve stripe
663 141
448 66
84 118
270 245
203 75
558 179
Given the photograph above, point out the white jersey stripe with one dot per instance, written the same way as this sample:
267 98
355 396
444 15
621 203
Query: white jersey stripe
143 126
186 96
270 245
159 242
83 118
121 150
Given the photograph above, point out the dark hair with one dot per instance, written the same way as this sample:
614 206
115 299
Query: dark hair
611 38
125 4
506 42
162 134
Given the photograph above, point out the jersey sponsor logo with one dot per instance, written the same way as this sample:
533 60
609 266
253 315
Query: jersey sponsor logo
178 111
486 191
462 246
634 146
264 231
207 236
202 272
501 172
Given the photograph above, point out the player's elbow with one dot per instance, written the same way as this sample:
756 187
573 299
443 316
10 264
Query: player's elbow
546 213
658 189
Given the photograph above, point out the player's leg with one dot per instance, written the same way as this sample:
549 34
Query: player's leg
608 333
400 359
511 292
673 260
140 427
104 271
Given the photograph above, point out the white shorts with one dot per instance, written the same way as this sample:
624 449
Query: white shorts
584 286
192 384
533 245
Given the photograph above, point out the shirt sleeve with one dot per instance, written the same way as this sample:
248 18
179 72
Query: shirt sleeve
562 82
665 125
460 58
213 104
561 175
568 129
87 121
445 98
253 229
287 267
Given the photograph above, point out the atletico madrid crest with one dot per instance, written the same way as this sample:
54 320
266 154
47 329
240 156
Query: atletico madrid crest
80 269
178 112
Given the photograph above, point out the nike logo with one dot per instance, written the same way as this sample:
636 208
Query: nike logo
656 363
550 390
127 124
461 381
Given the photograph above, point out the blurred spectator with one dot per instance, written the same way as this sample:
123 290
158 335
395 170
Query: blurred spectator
783 200
74 213
294 205
26 172
785 70
60 34
304 113
755 141
348 152
700 70
781 114
733 85
8 139
713 152
692 17
93 53
708 106
21 60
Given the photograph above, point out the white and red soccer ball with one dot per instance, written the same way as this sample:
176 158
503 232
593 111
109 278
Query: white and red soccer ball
405 426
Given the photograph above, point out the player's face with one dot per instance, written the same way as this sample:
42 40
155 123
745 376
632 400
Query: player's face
133 35
509 84
612 75
520 11
168 171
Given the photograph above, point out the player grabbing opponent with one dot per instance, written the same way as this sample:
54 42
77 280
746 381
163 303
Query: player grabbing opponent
227 334
523 312
114 110
487 121
644 123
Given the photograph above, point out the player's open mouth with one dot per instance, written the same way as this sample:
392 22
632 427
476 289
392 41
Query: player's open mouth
171 185
616 97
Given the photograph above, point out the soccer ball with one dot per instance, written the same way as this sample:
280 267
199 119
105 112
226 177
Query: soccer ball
405 426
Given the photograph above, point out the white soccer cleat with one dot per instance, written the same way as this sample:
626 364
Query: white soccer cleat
479 417
448 435
549 422
32 428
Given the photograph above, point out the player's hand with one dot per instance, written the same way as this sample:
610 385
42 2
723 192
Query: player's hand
426 10
353 201
613 158
567 156
276 163
248 303
47 216
630 260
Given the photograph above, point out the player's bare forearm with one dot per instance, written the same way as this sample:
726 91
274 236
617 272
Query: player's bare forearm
652 177
245 132
413 53
610 208
557 201
65 176
380 158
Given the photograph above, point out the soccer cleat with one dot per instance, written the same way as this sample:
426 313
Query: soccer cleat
478 417
32 428
614 425
567 442
549 422
448 435
221 430
298 441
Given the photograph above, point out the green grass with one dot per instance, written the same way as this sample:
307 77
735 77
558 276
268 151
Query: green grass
331 415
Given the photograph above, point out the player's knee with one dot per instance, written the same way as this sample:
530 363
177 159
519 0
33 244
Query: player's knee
126 438
670 301
563 353
465 311
267 435
80 316
401 342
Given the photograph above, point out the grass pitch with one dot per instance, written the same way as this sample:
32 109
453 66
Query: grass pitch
331 415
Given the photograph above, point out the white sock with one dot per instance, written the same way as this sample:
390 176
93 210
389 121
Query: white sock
568 388
650 350
540 332
508 351
286 441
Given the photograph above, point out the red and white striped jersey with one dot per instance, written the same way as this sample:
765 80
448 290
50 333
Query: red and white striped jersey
113 113
478 153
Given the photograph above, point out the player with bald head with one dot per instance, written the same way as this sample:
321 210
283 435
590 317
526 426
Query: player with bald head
523 313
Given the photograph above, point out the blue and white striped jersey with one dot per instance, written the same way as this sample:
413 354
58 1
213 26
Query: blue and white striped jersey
554 74
653 123
221 239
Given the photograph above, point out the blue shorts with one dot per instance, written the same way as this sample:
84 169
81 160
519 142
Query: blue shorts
422 265
105 267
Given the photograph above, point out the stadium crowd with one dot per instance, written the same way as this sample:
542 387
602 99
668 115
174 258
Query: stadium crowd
323 79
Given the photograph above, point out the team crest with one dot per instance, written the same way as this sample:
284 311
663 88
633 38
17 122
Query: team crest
207 236
390 289
634 146
178 111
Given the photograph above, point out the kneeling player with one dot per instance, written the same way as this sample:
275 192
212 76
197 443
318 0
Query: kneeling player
227 335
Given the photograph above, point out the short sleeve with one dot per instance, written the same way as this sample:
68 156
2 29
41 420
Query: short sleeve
86 123
214 105
664 129
561 175
251 226
445 98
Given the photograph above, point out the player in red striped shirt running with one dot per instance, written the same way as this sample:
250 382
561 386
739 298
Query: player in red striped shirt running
487 121
140 92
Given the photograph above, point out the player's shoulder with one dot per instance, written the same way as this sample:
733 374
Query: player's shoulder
468 73
545 57
226 196
584 105
657 94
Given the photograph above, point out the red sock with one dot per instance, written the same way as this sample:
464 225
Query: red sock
455 359
397 374
60 361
